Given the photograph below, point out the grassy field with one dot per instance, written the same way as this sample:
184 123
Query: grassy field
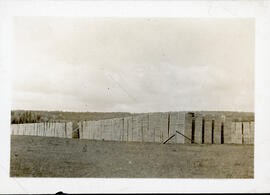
58 157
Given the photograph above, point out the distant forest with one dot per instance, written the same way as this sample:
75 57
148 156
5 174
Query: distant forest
29 116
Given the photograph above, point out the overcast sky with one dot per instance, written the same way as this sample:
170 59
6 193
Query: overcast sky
133 64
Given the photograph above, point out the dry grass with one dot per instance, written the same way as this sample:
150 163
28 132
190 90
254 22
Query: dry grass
58 157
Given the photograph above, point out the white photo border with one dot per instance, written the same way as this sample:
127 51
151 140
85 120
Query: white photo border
259 10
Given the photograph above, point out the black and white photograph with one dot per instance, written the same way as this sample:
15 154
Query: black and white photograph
132 98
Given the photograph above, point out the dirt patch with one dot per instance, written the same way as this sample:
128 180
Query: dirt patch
58 157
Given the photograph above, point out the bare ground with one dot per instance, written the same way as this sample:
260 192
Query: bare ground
58 157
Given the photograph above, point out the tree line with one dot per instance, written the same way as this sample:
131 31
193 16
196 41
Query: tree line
25 117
